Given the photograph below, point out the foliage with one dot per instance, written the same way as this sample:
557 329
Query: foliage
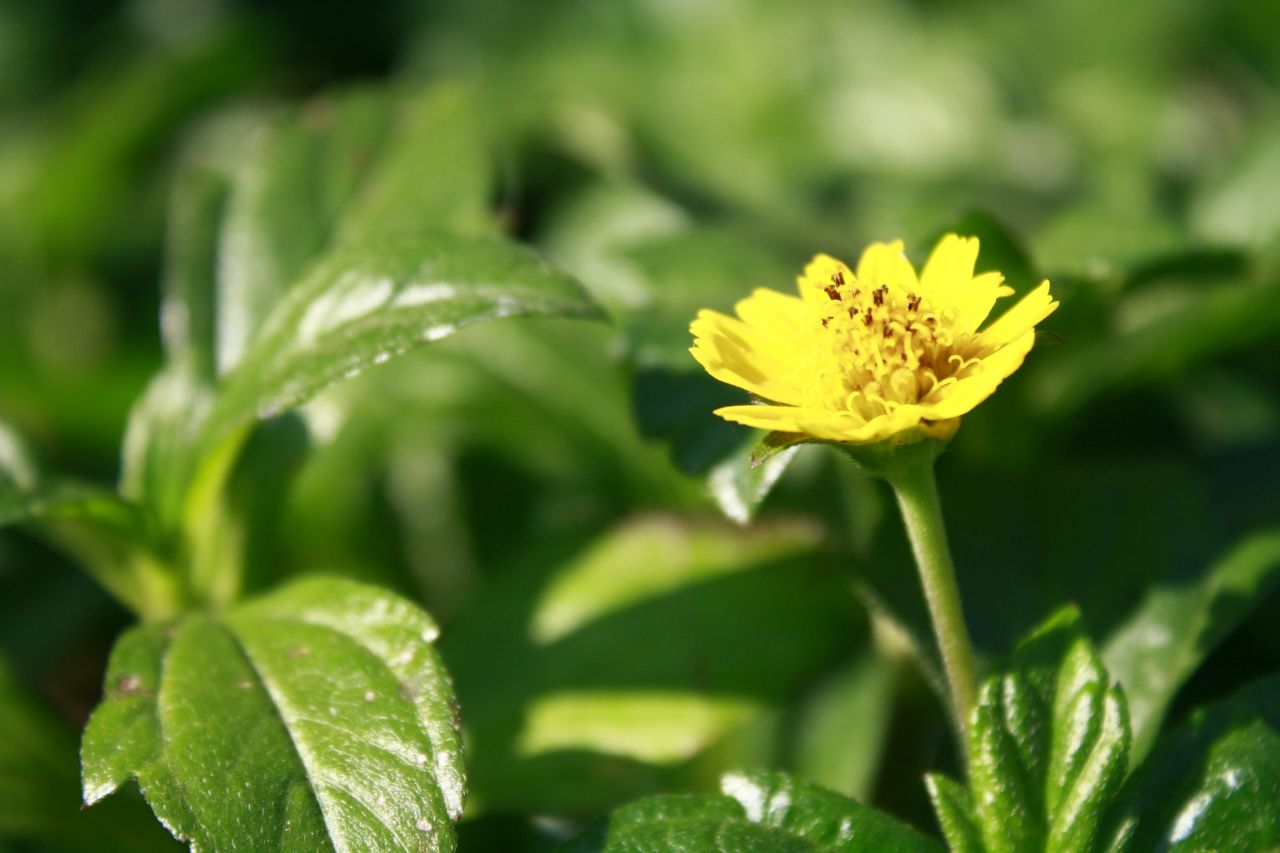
423 278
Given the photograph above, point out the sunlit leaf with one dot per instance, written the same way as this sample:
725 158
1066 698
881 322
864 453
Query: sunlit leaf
1212 784
368 302
159 454
564 717
842 727
39 790
289 179
952 804
1048 744
757 812
1234 208
316 717
740 483
190 301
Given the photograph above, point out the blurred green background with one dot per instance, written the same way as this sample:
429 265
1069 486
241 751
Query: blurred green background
556 492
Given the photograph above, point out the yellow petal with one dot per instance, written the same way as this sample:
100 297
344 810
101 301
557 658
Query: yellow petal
786 316
977 299
960 397
783 418
947 272
884 263
818 275
742 356
1011 325
823 423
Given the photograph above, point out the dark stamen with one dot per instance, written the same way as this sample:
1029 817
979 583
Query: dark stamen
832 292
838 277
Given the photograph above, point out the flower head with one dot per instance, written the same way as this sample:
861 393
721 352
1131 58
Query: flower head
863 355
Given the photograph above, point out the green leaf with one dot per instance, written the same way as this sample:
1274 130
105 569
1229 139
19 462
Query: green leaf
316 717
1048 744
39 796
158 457
1234 208
1177 625
110 536
740 483
305 262
346 169
432 173
1160 343
644 261
1212 784
565 716
287 186
329 243
190 298
18 473
954 808
757 812
842 727
365 303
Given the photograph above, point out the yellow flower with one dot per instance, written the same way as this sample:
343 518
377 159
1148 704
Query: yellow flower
862 356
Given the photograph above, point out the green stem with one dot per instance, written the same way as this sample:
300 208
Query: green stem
917 492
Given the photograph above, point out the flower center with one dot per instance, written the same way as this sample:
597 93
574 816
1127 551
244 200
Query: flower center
882 348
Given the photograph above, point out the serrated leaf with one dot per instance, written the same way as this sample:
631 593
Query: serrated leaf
954 808
1048 743
366 303
316 717
825 819
757 812
1175 628
39 789
1212 784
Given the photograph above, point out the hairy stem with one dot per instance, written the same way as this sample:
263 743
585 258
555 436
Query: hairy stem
917 492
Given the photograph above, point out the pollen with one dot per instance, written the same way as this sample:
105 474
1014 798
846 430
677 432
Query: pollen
861 354
878 349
